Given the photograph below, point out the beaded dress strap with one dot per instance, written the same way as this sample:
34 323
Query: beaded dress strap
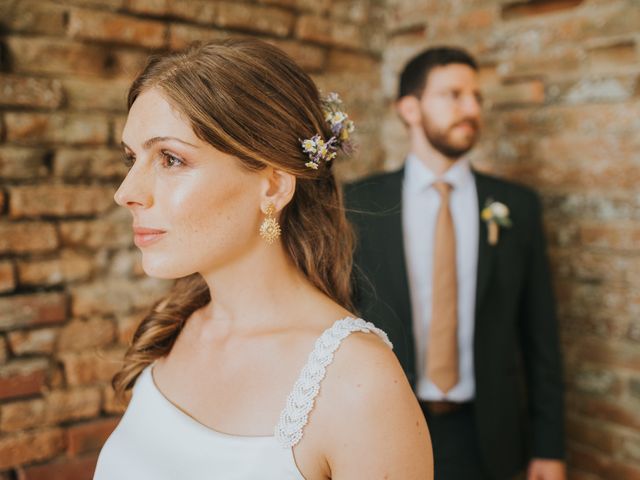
300 402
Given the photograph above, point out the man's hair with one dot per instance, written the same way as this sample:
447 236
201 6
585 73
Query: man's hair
413 79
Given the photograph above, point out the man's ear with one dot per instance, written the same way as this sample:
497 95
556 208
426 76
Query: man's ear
279 187
408 107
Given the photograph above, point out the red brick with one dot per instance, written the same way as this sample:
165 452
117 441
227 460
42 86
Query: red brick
17 91
362 12
127 325
127 62
18 163
610 354
84 368
585 431
315 6
36 341
81 468
27 237
597 89
33 16
126 264
30 447
613 57
538 7
112 232
618 235
149 7
339 61
115 296
53 56
22 415
115 28
607 468
106 4
68 267
84 335
593 266
32 310
22 377
613 411
4 352
89 436
181 35
93 162
472 21
311 58
96 94
7 277
59 200
39 128
411 16
326 32
113 405
262 19
72 404
521 93
198 11
550 63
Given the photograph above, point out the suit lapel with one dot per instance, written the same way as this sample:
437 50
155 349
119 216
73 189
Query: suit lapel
397 264
486 253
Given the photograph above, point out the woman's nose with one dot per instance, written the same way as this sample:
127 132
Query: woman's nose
135 190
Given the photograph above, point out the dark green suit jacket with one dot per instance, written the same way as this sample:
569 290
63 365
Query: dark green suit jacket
519 388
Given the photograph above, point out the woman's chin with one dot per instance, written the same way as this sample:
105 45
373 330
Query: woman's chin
163 271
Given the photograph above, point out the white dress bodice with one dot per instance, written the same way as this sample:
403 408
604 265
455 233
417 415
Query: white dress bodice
157 440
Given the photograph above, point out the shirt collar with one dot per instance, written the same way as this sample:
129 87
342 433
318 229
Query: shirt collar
418 177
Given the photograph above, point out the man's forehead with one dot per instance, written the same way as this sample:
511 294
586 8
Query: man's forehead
452 75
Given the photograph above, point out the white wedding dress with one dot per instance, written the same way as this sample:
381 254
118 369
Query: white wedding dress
155 440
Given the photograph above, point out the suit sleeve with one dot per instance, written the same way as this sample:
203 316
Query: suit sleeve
541 349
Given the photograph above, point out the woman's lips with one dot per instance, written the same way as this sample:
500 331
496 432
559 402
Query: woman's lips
143 237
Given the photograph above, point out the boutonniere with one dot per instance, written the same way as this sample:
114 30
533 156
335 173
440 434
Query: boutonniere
496 215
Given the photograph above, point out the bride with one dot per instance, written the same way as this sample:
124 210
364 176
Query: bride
254 365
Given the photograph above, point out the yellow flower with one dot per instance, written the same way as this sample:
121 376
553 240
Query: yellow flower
308 145
486 214
311 165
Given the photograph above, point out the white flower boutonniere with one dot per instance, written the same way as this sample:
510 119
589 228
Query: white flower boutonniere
496 215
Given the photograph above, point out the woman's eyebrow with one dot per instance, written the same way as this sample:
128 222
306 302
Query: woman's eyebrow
150 142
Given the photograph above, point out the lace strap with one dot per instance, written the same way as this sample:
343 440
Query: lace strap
300 402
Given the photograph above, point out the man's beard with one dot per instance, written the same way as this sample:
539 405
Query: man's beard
439 138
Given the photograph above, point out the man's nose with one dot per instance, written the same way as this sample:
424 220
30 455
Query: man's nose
471 106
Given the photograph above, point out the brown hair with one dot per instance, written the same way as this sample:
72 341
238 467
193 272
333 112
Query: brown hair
249 99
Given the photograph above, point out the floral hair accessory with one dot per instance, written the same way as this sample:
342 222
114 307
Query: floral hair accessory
496 214
317 148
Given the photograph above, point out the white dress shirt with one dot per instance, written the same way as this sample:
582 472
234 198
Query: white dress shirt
421 202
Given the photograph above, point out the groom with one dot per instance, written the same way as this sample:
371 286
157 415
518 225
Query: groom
451 263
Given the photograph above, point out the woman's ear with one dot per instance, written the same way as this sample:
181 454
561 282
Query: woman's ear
279 188
408 107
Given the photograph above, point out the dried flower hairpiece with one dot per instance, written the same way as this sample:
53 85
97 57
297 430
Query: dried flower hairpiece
317 148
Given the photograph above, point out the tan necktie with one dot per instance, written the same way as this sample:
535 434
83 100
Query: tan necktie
442 350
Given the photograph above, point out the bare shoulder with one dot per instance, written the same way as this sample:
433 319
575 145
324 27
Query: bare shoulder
367 403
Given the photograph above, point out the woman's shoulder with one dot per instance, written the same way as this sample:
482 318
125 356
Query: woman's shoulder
367 401
359 363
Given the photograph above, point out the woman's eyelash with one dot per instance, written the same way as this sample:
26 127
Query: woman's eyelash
171 161
128 159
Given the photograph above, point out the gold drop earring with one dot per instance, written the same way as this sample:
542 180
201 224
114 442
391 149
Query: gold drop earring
270 229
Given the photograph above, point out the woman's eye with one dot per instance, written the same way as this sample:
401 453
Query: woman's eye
170 161
128 160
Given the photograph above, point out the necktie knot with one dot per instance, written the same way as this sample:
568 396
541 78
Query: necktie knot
443 188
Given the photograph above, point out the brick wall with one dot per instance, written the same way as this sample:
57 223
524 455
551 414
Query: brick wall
561 77
562 80
71 285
